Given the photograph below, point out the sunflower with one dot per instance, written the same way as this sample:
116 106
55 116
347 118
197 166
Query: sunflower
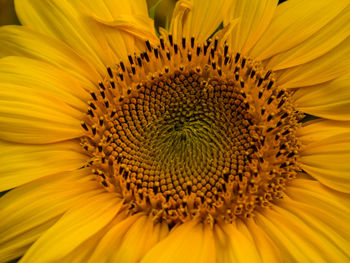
224 139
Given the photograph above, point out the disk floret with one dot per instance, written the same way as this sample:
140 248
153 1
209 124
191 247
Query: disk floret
186 130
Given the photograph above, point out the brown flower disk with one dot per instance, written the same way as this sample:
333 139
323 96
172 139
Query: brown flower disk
186 130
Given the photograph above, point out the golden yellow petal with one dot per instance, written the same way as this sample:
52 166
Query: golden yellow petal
188 242
235 243
298 236
288 235
123 15
294 22
332 202
125 24
319 130
138 240
62 20
222 245
324 40
110 9
28 211
84 252
326 153
254 17
131 239
179 18
76 226
29 118
20 163
328 228
16 247
38 77
267 249
196 18
39 103
322 213
114 235
325 68
24 42
330 100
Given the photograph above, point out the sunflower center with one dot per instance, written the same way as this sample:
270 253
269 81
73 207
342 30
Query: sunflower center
192 131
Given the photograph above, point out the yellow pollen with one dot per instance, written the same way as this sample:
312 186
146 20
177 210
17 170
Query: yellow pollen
187 130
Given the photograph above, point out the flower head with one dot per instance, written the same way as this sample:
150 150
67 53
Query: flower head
194 146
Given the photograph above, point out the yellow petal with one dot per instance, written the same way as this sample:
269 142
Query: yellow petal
325 68
110 10
322 216
254 17
129 240
317 45
141 236
196 18
22 41
333 231
187 243
84 252
28 211
335 204
319 130
60 19
29 116
299 238
125 24
288 236
329 100
294 22
38 76
76 226
115 234
326 157
222 245
180 18
124 15
20 163
16 247
236 244
267 249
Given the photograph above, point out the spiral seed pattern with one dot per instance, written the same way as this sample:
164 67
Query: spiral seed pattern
187 130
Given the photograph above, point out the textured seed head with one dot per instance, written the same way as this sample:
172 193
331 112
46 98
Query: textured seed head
185 130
